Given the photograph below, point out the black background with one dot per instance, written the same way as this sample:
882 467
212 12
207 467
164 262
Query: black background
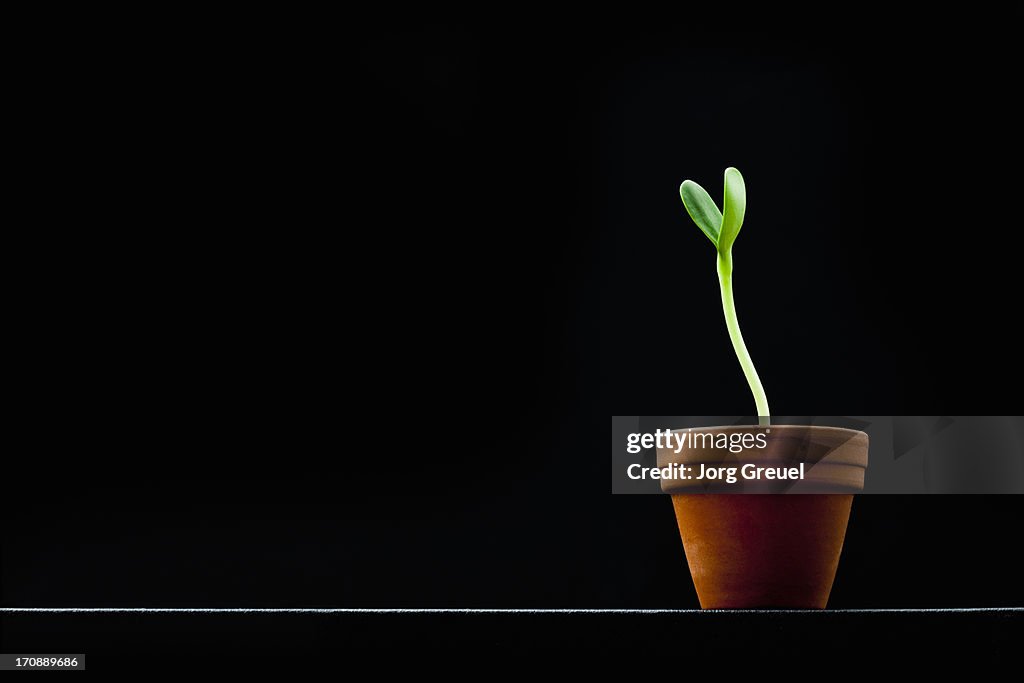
317 318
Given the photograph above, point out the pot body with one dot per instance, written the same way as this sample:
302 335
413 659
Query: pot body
764 548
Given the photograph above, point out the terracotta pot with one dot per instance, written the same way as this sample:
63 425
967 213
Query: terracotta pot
756 549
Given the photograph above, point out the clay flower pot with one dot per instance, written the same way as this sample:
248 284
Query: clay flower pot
764 548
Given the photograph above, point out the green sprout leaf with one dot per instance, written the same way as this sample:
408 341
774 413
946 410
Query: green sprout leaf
734 206
702 209
722 229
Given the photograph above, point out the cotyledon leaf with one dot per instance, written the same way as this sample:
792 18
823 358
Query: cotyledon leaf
702 209
734 205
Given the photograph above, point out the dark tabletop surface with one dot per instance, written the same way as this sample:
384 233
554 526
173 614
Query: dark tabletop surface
112 637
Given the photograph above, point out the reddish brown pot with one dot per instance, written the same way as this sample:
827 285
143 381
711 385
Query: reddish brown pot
770 550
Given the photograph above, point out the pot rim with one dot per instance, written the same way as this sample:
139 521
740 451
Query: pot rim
834 458
817 428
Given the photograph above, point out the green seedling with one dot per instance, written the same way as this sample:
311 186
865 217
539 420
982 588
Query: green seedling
722 227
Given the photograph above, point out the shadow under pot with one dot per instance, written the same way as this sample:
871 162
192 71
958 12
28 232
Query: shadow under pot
763 519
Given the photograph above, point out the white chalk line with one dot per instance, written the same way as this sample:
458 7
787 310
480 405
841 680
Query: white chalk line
456 610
